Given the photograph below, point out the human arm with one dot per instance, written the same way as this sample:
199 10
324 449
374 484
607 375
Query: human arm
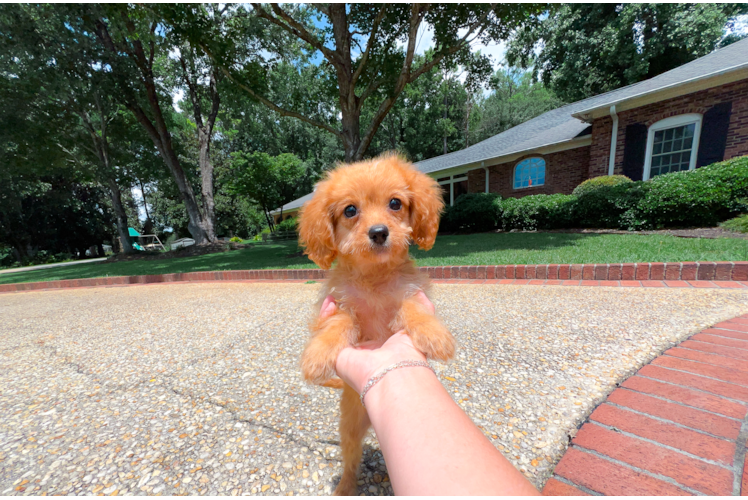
431 446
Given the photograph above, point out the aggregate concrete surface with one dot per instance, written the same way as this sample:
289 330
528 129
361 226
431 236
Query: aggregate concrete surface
195 389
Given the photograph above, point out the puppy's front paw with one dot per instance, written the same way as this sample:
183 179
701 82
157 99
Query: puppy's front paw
318 362
433 339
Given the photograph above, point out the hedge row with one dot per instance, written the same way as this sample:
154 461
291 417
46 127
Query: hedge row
699 198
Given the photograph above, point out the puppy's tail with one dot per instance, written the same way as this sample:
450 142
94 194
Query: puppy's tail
333 383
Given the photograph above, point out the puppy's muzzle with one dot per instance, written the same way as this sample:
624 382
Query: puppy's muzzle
378 234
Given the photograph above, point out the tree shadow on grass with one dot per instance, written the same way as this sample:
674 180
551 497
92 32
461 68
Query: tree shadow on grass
263 256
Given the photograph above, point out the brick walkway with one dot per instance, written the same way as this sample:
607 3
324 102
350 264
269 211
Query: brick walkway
679 426
646 274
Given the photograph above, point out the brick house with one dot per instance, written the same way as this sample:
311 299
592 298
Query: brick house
688 117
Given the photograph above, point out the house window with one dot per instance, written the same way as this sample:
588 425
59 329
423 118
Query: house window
453 187
530 172
672 145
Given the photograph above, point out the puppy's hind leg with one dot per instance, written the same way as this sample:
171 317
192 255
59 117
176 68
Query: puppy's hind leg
354 422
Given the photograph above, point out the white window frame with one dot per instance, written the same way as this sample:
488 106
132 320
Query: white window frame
514 172
672 122
451 181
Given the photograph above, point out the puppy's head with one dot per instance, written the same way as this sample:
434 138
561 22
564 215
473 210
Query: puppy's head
370 211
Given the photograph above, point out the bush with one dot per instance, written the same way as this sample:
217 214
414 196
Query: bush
609 207
702 197
540 211
287 225
474 212
600 182
739 224
235 239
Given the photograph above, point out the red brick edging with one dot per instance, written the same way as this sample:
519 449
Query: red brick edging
639 274
679 426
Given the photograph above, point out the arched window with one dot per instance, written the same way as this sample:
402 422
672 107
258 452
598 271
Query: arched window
672 145
530 172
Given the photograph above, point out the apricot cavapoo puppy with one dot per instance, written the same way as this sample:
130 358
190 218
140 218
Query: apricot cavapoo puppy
366 215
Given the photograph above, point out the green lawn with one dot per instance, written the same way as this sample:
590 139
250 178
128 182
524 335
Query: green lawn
474 249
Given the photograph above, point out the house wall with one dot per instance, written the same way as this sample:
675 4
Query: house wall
697 102
564 171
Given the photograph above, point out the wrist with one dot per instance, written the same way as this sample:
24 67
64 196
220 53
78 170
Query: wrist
398 386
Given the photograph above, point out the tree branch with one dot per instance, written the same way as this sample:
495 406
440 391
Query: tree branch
369 44
276 108
295 28
193 93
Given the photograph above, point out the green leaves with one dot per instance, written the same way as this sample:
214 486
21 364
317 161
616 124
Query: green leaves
588 49
269 181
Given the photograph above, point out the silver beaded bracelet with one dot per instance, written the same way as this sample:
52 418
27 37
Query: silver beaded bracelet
379 376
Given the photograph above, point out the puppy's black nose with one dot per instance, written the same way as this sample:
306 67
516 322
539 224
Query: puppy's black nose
378 234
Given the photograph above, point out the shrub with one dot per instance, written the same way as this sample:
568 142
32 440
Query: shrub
702 197
235 239
609 207
474 212
739 224
287 225
600 182
538 211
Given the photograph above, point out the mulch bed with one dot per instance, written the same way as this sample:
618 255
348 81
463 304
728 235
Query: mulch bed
191 251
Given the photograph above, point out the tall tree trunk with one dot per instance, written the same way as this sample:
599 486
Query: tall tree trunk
155 125
206 174
204 137
145 202
121 215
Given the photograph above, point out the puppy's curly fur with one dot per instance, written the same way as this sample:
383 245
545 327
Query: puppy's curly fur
374 281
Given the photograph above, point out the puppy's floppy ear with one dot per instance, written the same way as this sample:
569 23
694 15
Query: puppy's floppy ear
315 228
426 206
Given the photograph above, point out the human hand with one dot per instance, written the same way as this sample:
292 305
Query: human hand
356 365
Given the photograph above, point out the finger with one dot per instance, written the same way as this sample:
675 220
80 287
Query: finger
328 307
423 299
369 345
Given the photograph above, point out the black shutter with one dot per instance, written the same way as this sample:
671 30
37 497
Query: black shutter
634 150
714 134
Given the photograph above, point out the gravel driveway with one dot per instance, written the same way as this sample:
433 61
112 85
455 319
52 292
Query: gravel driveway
194 388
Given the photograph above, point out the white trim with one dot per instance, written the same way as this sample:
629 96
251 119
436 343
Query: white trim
451 181
613 141
672 122
514 172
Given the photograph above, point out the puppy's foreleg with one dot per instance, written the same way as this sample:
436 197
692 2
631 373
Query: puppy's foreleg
428 334
329 336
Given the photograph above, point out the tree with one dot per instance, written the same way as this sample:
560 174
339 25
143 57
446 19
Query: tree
515 98
588 49
363 59
268 181
135 52
51 80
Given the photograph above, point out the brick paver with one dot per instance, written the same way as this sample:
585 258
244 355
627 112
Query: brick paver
673 427
676 275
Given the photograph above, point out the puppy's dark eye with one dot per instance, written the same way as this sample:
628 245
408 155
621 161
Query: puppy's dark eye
350 211
395 204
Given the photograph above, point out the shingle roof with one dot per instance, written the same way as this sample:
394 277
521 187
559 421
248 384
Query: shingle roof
297 203
559 125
